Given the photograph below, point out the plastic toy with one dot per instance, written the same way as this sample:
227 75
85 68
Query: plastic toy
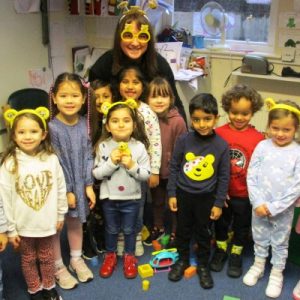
190 272
124 149
230 298
145 270
163 259
156 245
145 285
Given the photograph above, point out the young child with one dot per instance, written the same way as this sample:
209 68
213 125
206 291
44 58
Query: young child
197 186
3 242
33 190
274 166
240 103
70 135
132 84
160 98
93 229
122 163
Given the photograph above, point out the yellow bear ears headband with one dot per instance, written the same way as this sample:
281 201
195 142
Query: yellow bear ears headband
42 112
106 106
271 104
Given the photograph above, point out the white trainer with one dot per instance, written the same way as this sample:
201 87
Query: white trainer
274 286
139 248
252 276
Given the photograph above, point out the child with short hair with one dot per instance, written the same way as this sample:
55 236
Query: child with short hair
33 190
273 181
71 135
241 102
197 186
160 98
121 164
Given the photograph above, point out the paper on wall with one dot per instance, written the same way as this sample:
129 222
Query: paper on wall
27 6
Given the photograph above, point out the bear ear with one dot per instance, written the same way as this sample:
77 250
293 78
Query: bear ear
270 103
10 115
209 158
131 103
190 156
43 112
105 107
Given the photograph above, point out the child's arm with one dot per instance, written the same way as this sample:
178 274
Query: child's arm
173 204
3 227
91 196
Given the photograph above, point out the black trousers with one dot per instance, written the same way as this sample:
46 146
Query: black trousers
193 220
238 214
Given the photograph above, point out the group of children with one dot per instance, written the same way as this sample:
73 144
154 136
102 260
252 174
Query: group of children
130 138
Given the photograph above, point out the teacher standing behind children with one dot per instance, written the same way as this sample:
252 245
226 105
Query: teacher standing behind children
134 44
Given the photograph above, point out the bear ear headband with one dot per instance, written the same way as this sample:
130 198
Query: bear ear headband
42 112
271 104
106 106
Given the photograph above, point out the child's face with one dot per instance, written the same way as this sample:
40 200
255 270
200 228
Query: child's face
120 125
282 131
240 114
159 104
203 122
103 94
28 135
131 86
68 99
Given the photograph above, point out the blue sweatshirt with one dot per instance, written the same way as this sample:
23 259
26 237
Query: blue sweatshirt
200 164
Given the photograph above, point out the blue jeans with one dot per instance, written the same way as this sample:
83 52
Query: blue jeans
1 282
120 215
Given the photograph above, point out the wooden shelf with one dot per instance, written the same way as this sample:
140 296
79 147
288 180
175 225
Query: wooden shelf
267 77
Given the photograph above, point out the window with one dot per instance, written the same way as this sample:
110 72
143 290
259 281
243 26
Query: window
250 24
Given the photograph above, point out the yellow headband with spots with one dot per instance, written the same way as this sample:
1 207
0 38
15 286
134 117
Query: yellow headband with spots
271 104
106 106
42 112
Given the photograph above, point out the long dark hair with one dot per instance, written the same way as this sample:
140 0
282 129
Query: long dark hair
148 62
139 128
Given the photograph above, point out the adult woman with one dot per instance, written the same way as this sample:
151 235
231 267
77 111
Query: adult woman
137 49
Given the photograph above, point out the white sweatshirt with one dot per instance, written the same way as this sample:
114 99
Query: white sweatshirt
34 199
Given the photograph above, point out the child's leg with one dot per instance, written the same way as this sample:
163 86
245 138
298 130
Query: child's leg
46 259
77 264
112 228
1 280
261 231
281 229
29 264
241 224
129 212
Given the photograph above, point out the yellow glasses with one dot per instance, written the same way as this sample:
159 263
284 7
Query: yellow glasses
143 36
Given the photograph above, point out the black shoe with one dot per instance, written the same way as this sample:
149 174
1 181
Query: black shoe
177 270
234 266
37 296
155 234
218 260
206 280
51 295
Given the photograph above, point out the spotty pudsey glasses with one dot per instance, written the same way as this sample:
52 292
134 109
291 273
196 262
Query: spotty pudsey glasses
143 36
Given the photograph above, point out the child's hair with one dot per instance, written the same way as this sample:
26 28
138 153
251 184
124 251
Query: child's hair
138 130
205 102
140 77
160 87
89 107
148 61
10 152
242 91
279 113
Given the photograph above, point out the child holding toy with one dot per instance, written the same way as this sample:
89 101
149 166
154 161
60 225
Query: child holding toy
240 103
122 164
274 186
198 185
160 98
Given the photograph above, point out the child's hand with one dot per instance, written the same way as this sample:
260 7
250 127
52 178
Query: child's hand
127 162
173 204
260 211
215 213
91 195
153 180
3 241
71 200
59 226
115 156
15 241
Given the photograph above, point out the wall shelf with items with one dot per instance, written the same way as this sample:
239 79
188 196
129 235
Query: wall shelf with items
267 77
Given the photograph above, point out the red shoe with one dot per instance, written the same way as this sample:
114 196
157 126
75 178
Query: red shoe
130 266
109 264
